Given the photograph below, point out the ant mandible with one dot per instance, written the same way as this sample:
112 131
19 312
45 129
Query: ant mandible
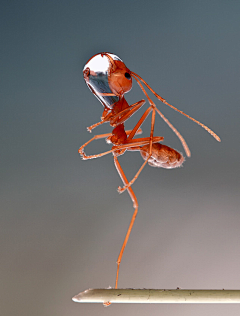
109 79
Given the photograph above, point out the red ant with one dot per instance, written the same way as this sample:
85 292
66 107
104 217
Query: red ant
109 79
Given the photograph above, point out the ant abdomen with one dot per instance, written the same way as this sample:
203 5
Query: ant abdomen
162 156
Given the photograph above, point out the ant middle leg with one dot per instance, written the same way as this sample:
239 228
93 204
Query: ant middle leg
120 149
81 149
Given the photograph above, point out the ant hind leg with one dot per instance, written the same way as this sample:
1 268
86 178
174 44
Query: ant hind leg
135 205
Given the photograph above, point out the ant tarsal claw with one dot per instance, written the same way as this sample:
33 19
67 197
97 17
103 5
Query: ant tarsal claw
120 190
89 129
83 155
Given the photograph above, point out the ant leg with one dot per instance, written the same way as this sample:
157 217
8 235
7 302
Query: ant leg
135 205
136 130
104 120
81 151
139 123
123 147
85 157
150 140
115 120
121 190
140 142
135 143
139 131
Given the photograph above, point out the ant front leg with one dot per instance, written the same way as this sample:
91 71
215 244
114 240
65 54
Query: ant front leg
124 115
118 118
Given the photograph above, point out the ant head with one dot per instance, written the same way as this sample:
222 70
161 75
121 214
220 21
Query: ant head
119 76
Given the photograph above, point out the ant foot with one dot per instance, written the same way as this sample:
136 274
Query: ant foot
84 157
81 151
121 190
89 129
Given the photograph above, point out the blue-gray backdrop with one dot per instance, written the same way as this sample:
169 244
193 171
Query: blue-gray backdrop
62 220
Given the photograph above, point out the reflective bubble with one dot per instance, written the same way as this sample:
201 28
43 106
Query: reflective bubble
95 73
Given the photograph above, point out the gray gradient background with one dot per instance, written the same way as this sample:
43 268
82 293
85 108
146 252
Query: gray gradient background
62 220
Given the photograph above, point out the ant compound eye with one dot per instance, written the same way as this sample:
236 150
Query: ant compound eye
127 75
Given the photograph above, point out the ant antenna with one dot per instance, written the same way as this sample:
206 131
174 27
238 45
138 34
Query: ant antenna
184 144
171 106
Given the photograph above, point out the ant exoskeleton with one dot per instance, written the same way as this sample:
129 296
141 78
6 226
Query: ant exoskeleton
109 79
